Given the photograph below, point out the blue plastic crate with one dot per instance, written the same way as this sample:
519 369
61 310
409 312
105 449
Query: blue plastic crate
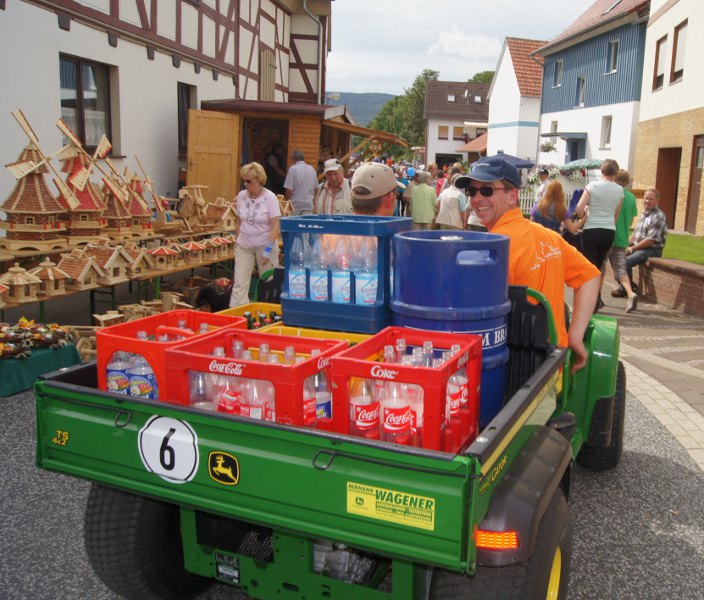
369 318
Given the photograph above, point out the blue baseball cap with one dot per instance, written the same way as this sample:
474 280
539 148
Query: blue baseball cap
490 168
411 172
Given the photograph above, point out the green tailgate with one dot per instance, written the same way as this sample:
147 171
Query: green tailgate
404 503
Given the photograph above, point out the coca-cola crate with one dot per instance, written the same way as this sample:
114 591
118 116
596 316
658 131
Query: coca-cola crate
349 316
123 338
361 361
196 355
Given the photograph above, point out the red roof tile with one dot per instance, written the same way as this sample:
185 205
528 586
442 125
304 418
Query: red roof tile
529 72
463 108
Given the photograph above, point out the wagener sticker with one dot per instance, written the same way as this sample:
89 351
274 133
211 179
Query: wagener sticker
383 504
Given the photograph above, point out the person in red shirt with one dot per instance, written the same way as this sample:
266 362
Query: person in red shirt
538 258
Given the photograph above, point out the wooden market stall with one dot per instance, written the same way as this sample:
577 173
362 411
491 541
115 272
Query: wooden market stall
226 134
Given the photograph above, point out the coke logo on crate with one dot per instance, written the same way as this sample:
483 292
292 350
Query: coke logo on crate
381 373
323 362
226 368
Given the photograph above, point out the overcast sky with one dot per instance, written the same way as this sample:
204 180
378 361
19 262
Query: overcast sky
382 45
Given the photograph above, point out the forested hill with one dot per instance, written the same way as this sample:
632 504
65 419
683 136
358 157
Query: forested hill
364 107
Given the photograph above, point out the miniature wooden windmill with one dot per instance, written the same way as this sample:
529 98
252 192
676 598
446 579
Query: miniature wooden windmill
167 221
117 215
34 217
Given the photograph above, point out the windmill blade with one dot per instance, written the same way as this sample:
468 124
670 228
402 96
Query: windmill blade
24 124
116 191
66 130
20 169
66 192
104 146
79 179
150 186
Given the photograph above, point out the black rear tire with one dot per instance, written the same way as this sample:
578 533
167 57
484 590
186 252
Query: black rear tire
134 546
603 459
544 576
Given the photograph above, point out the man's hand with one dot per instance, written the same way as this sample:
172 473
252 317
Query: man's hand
580 355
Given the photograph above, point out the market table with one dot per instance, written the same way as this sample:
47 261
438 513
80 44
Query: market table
19 374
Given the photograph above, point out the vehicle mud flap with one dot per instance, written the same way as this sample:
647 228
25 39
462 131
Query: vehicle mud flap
602 420
520 500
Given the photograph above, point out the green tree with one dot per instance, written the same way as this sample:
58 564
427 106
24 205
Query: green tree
482 77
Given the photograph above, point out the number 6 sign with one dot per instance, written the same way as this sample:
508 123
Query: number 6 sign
169 448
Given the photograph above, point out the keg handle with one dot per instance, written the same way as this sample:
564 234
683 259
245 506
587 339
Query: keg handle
474 258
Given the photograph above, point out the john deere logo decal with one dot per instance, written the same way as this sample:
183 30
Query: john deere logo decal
223 468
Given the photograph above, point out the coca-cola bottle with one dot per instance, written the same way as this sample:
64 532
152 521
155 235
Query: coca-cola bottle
309 397
323 395
395 414
389 358
465 412
269 392
198 394
416 402
364 409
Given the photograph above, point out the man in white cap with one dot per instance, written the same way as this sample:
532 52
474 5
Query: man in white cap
333 196
374 188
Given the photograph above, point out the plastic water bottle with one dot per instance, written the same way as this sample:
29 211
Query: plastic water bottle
364 409
142 380
212 378
290 357
401 349
366 275
318 272
268 250
117 373
323 395
198 394
341 275
463 381
309 398
238 349
395 414
253 403
203 328
297 270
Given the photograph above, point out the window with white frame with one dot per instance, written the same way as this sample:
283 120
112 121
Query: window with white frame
450 97
606 122
581 91
557 73
85 99
678 50
612 63
659 70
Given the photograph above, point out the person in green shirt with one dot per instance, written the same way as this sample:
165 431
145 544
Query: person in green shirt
617 255
423 199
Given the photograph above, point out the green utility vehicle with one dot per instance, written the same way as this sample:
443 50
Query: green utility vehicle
181 497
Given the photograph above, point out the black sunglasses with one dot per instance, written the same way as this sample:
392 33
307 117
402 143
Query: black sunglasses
486 190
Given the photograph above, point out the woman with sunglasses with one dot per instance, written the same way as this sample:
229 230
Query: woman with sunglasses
257 231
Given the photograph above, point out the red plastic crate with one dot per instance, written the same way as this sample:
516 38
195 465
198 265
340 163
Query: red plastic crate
123 337
196 355
362 361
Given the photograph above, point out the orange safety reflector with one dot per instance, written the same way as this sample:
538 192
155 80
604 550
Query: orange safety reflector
497 540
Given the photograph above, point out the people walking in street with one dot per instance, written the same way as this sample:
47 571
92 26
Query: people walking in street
538 258
423 200
451 206
617 255
257 231
412 178
604 198
333 196
552 213
275 168
299 185
374 189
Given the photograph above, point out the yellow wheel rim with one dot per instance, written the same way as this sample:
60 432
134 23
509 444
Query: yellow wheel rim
555 572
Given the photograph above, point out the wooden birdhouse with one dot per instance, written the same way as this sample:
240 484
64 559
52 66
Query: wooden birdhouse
141 260
180 259
117 214
228 219
35 219
53 279
223 244
22 286
113 260
164 258
193 252
82 270
85 221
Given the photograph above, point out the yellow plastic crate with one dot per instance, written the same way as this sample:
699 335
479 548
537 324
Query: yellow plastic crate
278 329
252 307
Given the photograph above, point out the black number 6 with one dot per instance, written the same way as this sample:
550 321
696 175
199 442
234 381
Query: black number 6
167 456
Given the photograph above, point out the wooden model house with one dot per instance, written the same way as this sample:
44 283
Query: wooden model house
117 215
228 219
210 249
113 260
85 222
53 279
180 259
82 270
34 217
142 217
193 252
223 246
141 260
3 292
23 286
164 258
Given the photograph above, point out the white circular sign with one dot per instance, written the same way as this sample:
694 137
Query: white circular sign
169 448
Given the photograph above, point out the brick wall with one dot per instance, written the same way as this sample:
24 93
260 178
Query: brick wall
673 131
674 283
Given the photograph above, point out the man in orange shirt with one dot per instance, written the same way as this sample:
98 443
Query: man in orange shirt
538 258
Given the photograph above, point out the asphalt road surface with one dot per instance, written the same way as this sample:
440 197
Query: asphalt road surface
638 531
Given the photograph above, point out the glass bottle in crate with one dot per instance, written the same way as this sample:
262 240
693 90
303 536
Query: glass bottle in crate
198 394
290 356
341 274
297 270
253 403
309 398
226 395
142 379
364 409
416 403
395 414
323 395
366 275
463 380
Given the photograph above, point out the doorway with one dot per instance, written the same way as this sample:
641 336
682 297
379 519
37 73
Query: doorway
695 185
667 178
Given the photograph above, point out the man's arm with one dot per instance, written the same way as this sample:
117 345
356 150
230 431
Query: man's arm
584 303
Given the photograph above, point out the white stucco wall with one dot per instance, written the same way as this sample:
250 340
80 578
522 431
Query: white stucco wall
434 146
144 92
688 93
624 120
